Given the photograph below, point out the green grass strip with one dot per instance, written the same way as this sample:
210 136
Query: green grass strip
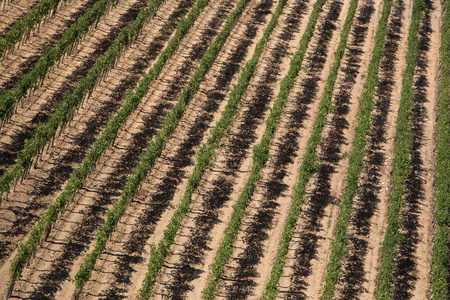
271 290
10 98
440 261
204 156
27 24
156 146
402 159
261 155
311 161
66 108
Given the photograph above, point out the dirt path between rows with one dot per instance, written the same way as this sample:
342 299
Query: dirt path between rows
413 262
300 279
426 232
26 202
87 212
121 267
379 220
186 270
267 212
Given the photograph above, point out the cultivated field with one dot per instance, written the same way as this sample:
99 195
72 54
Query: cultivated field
225 149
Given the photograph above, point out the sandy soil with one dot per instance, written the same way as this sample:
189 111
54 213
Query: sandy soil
170 278
36 192
424 232
263 201
59 81
44 176
376 236
107 273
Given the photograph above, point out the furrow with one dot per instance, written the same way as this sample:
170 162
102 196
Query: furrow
403 159
74 233
413 259
304 110
280 177
243 277
142 215
93 198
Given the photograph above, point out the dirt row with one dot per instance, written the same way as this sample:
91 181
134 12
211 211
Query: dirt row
28 51
61 80
413 262
121 268
11 11
216 193
69 241
371 204
308 255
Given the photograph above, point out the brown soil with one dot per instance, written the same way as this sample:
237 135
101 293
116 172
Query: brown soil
132 140
337 140
42 185
175 278
165 189
413 261
378 222
272 199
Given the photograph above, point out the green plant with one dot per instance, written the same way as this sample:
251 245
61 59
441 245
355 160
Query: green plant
156 146
440 261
